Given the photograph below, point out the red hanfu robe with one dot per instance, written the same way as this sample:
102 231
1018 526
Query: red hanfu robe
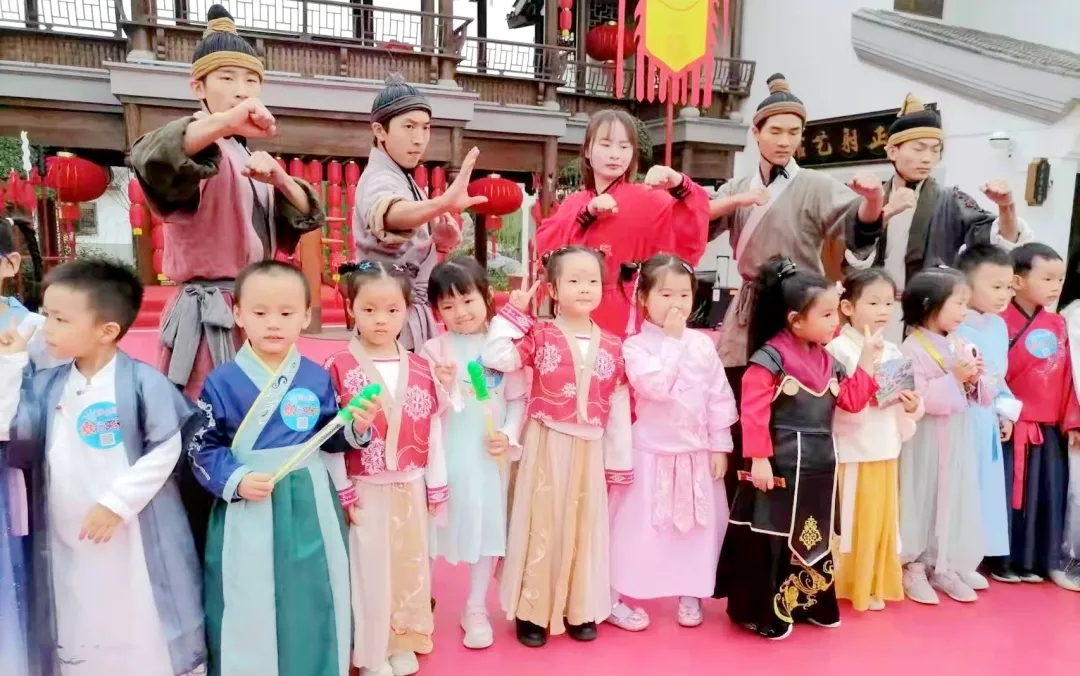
1040 376
648 222
401 438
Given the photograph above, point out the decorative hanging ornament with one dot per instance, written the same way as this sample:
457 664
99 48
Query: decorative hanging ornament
352 173
566 18
504 196
75 179
601 42
333 172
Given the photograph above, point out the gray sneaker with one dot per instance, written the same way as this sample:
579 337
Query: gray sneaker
1068 579
953 586
917 586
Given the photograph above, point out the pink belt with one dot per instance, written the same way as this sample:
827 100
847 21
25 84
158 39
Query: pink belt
680 492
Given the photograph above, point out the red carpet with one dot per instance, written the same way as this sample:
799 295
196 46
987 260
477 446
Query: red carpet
1022 630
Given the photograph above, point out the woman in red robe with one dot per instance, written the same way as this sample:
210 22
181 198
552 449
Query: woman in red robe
628 222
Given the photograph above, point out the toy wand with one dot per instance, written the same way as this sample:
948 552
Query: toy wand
343 418
479 385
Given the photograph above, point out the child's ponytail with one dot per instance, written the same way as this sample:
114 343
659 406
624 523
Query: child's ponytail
780 289
17 236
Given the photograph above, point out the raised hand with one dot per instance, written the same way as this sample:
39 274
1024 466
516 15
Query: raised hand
446 374
965 371
998 191
873 346
900 201
261 166
250 119
753 198
602 205
674 323
663 177
457 196
522 298
12 341
867 186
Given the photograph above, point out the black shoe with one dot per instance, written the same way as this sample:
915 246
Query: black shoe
531 635
1000 570
582 632
776 631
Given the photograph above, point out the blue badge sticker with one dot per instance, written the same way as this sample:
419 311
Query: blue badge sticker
1041 343
99 426
300 410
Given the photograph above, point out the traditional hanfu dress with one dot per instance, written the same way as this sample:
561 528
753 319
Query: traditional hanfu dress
475 525
1072 514
1036 459
277 570
133 605
988 333
776 567
667 526
868 447
648 222
397 478
940 501
577 441
383 184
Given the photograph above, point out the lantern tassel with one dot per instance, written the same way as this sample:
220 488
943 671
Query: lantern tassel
620 32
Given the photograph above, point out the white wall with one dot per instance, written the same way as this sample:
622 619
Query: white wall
113 236
831 81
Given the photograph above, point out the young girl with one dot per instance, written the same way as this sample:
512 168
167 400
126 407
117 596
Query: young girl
775 566
395 481
556 574
940 505
476 463
868 444
668 525
626 221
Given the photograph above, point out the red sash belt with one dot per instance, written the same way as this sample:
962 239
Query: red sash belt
1025 433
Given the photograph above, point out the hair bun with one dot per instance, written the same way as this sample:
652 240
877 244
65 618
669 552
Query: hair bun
396 79
912 104
218 20
347 268
778 83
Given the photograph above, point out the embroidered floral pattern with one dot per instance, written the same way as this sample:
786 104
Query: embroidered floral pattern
373 457
547 360
355 380
604 367
569 390
418 404
209 423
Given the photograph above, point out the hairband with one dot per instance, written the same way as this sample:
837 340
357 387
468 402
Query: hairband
787 269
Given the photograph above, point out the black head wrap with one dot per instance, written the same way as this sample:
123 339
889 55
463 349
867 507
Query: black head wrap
779 101
397 98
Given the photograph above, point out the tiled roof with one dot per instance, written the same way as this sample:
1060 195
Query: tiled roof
1029 54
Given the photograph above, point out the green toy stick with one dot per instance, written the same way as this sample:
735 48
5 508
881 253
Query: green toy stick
479 385
343 418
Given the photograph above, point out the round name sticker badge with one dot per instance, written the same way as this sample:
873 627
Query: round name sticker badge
1041 343
300 409
99 426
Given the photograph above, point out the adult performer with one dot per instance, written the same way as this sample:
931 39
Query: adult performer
224 206
628 222
392 219
925 223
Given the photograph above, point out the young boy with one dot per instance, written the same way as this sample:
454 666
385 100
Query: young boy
1040 375
116 584
989 272
277 570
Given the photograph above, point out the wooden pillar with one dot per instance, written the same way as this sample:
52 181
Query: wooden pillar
427 25
480 241
550 171
142 12
481 34
551 22
581 27
309 254
686 159
445 29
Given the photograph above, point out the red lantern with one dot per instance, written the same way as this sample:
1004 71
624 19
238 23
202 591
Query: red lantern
566 19
352 173
602 40
35 178
504 196
438 178
13 187
135 192
70 211
157 237
281 162
396 46
420 176
333 172
137 217
493 223
28 200
333 195
159 262
296 168
75 179
314 172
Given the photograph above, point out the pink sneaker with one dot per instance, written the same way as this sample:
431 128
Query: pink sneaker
630 619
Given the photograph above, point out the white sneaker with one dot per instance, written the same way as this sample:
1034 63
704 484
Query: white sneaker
876 604
1068 579
404 664
382 670
953 586
690 612
975 580
917 586
825 625
477 628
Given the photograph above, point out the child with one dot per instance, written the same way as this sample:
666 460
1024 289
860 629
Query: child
775 566
627 221
868 444
395 481
1037 459
989 274
116 581
476 469
277 576
556 576
940 505
668 525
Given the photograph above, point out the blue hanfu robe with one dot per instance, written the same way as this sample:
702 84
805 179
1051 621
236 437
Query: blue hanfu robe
989 334
147 403
277 571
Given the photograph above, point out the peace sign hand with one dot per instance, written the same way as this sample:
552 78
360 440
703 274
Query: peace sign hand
457 198
521 298
12 340
873 346
446 373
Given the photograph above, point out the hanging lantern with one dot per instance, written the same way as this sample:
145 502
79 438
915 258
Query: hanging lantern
334 194
438 179
157 237
75 179
12 193
420 177
566 19
28 199
281 162
333 172
601 42
314 172
137 217
504 196
493 223
296 168
158 259
35 178
352 173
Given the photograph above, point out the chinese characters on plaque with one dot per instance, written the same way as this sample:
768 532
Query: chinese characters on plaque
856 139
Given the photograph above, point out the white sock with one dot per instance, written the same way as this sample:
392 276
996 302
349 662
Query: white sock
479 579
